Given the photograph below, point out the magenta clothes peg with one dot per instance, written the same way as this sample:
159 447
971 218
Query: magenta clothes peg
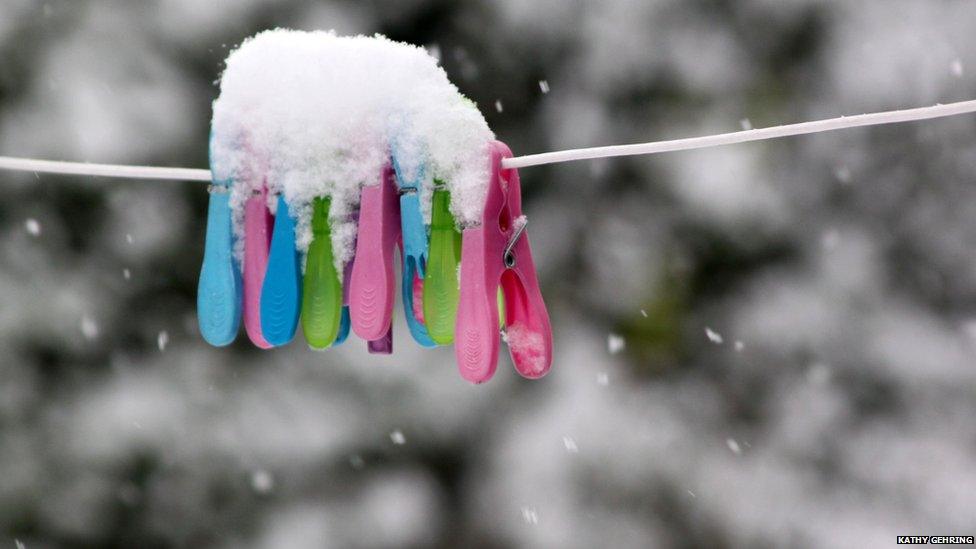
371 285
497 253
258 223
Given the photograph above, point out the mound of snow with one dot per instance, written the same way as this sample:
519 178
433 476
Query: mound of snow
314 114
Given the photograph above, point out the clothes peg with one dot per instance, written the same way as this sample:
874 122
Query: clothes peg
219 291
371 285
322 289
413 251
346 322
440 289
497 253
258 223
383 345
281 294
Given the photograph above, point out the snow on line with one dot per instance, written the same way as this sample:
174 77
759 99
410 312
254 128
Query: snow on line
745 136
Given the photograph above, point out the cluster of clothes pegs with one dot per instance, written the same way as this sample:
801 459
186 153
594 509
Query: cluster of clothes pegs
470 286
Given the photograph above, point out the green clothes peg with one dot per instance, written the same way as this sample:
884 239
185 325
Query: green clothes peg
322 295
441 278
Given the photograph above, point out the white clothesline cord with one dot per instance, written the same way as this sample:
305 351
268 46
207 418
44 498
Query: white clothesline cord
817 126
103 170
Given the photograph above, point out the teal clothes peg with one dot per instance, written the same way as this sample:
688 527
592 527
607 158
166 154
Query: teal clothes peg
413 272
344 325
413 252
281 294
220 289
345 322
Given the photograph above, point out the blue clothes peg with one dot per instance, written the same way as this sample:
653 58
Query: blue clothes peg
414 251
281 294
220 290
344 324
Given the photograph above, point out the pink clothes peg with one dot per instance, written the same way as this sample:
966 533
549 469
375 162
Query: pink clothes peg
379 346
497 253
258 223
371 288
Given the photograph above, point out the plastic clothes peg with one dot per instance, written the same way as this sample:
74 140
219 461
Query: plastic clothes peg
414 251
281 294
383 345
497 253
322 288
371 288
219 291
441 280
258 223
345 323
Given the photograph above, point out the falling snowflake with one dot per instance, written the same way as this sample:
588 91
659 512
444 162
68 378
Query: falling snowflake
398 438
957 68
843 174
129 239
544 86
262 482
739 346
734 446
615 343
603 379
530 516
162 340
714 336
498 105
33 227
127 274
746 124
570 444
89 328
643 313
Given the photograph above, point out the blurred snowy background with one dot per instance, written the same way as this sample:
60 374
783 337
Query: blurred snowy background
763 345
